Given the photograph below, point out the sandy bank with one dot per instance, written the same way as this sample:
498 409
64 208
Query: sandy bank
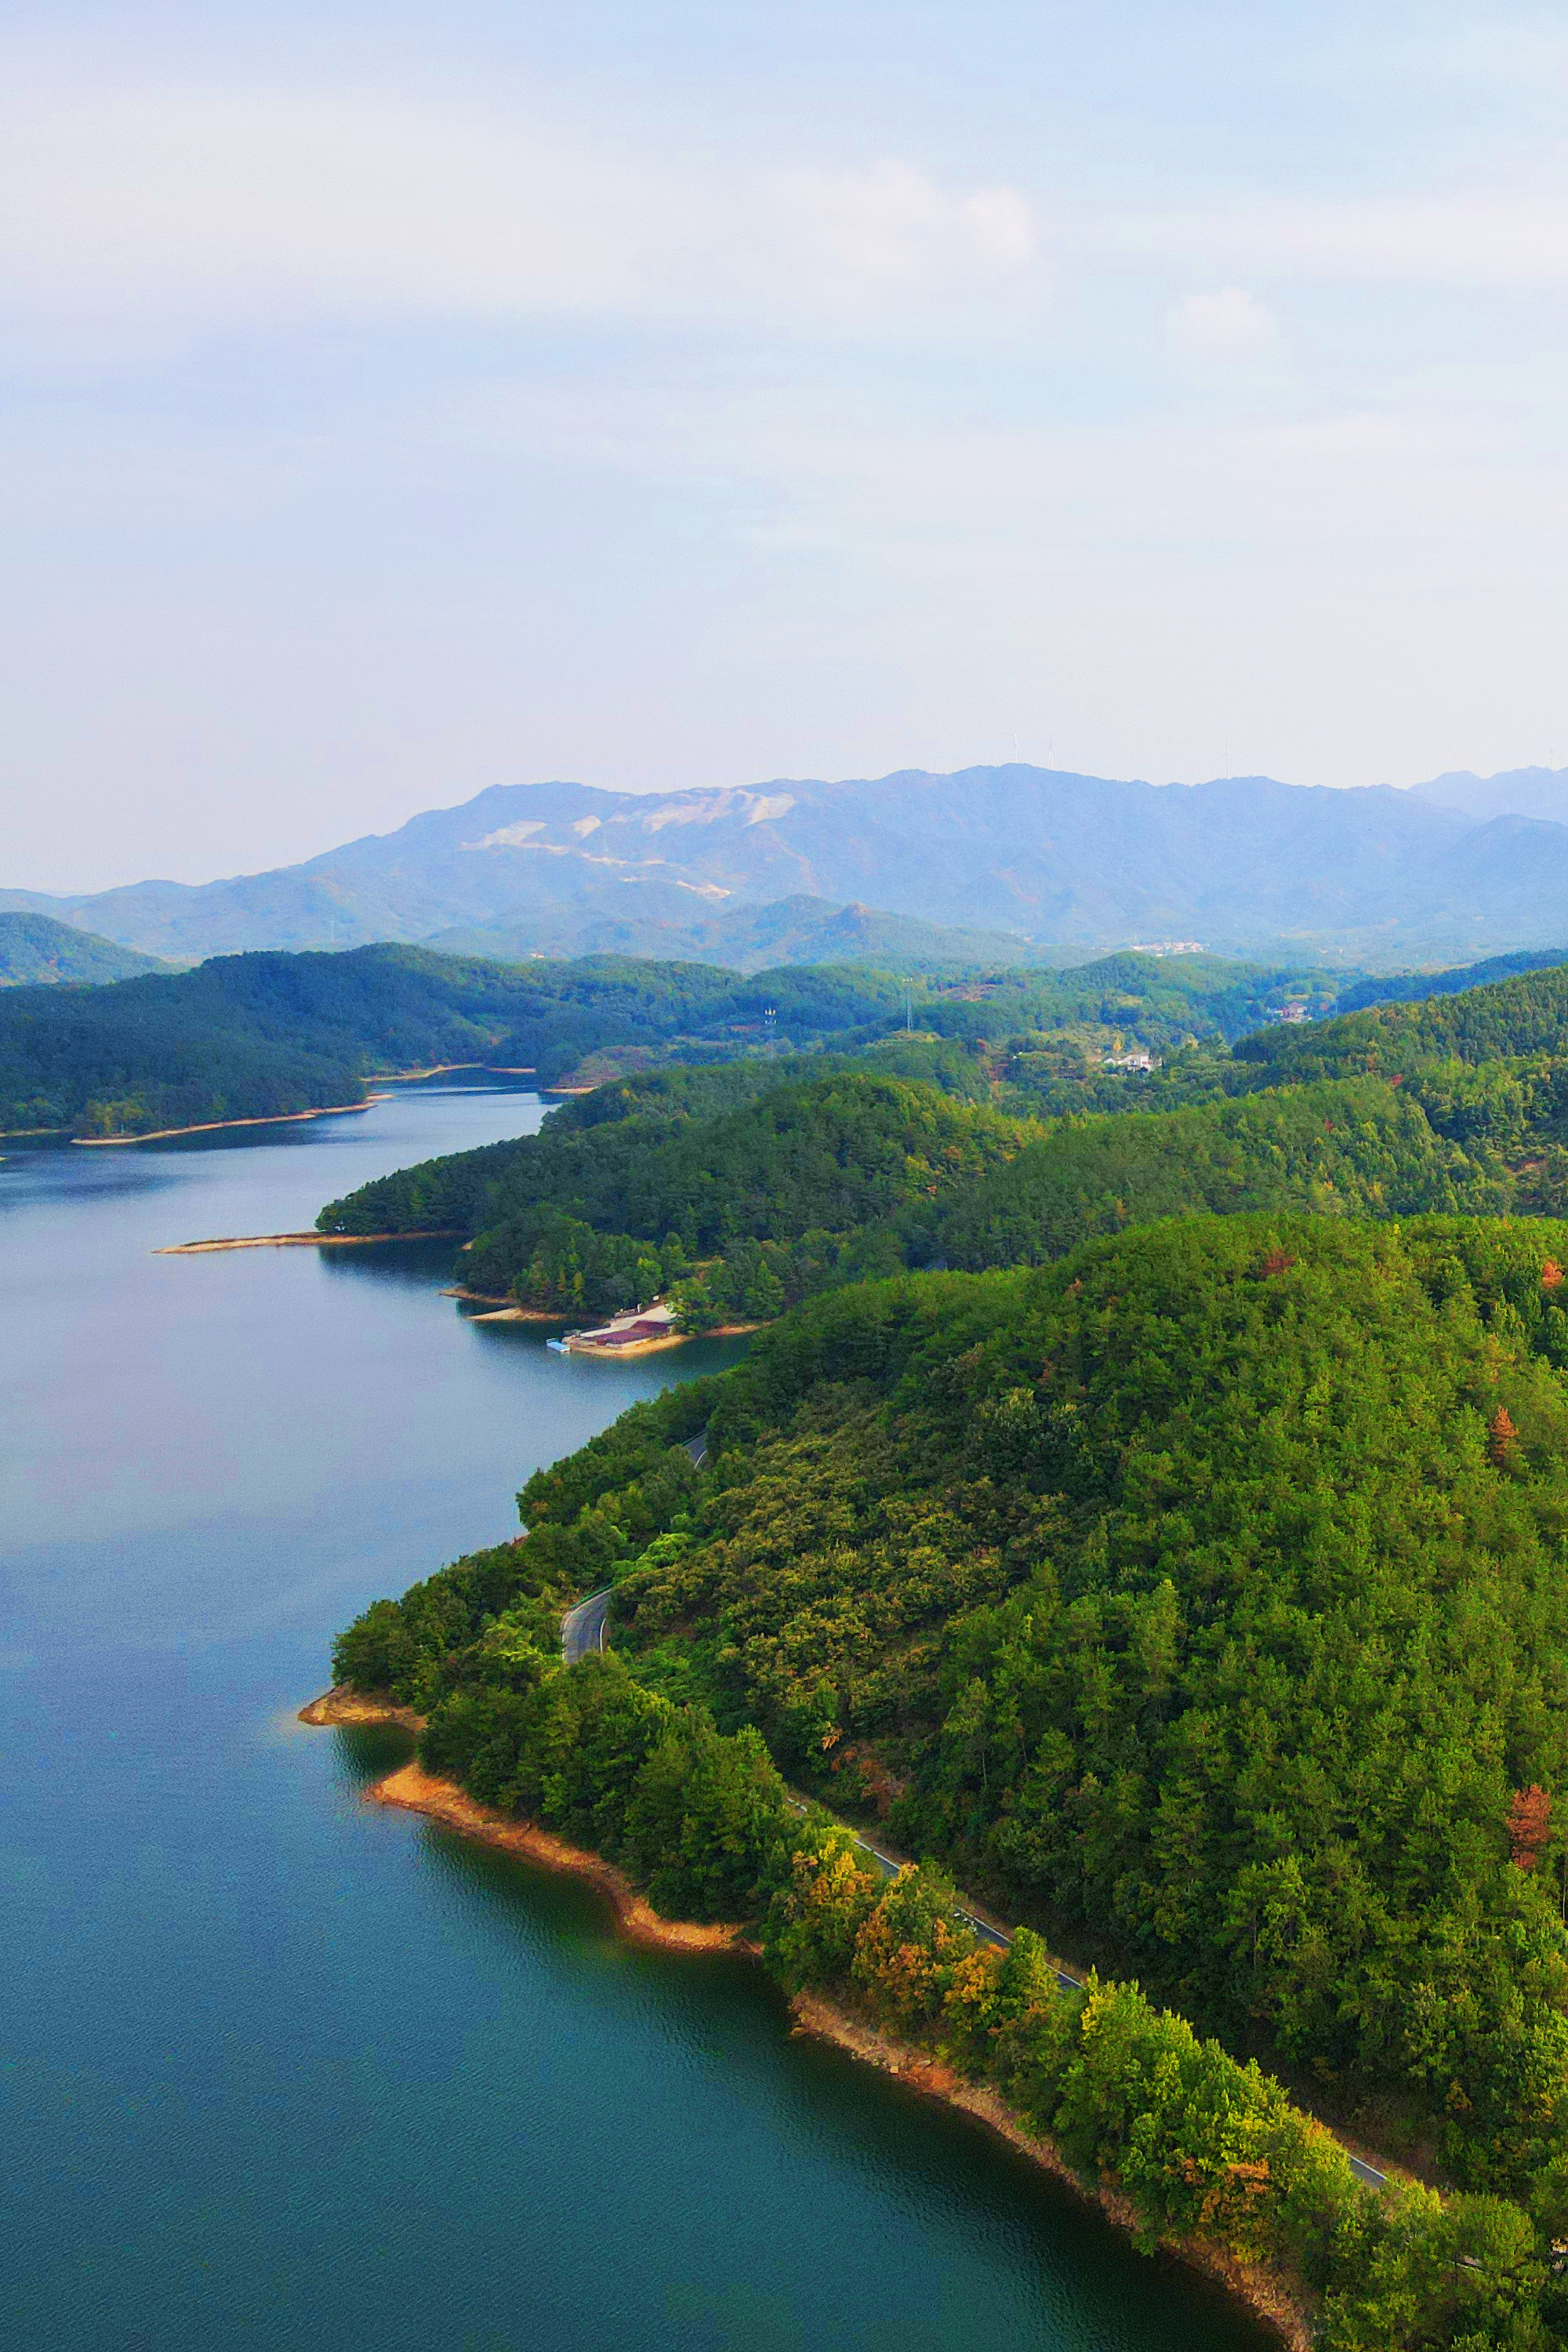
413 1790
338 1706
303 1241
1270 2298
440 1069
215 1126
519 1315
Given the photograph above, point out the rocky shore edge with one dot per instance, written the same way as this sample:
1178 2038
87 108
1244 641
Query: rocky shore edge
411 1788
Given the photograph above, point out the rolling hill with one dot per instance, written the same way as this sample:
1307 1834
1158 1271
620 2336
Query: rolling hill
34 950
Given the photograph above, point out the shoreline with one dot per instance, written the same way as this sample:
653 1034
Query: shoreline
649 1346
512 1313
215 1125
439 1069
349 1707
301 1240
1267 2298
410 1789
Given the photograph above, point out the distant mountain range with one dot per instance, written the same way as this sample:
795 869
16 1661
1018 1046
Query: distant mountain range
1517 792
1042 860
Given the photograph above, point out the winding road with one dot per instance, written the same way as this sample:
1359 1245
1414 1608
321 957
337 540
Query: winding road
583 1628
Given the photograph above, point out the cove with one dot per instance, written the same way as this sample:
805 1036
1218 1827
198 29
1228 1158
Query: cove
285 2069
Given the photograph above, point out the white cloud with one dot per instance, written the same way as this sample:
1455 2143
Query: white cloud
893 227
256 199
1226 324
146 204
1480 240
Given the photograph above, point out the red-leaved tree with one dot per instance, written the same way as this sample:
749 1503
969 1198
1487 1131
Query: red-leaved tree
1529 1826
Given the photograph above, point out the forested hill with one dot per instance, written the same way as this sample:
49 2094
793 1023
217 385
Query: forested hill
744 1187
1200 1600
1131 1587
34 950
1410 986
250 1036
1525 1017
1457 1104
253 1035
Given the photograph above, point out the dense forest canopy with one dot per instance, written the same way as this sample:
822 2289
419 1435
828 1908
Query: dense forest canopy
1347 1148
36 951
752 1194
784 1182
1201 1597
250 1036
1190 1578
247 1035
1521 1017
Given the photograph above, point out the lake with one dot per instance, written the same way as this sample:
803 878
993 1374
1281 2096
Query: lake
287 2069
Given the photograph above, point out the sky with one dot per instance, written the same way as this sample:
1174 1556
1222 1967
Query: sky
399 400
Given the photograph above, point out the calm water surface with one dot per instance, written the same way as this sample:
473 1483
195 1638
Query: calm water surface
287 2071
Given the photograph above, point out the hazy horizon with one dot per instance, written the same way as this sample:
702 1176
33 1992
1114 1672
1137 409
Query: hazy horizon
398 401
757 784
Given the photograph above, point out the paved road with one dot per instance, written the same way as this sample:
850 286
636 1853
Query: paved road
583 1628
990 1935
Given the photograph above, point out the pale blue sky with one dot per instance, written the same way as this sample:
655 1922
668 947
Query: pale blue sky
402 399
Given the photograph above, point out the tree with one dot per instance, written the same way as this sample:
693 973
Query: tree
1529 1826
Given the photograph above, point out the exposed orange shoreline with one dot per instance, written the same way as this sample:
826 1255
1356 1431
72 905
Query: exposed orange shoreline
302 1241
439 1069
1269 2299
413 1790
213 1126
348 1706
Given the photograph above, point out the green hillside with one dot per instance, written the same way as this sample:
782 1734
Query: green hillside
244 1036
1198 1600
1408 987
36 951
744 1195
787 1179
1188 1577
250 1036
1200 1597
